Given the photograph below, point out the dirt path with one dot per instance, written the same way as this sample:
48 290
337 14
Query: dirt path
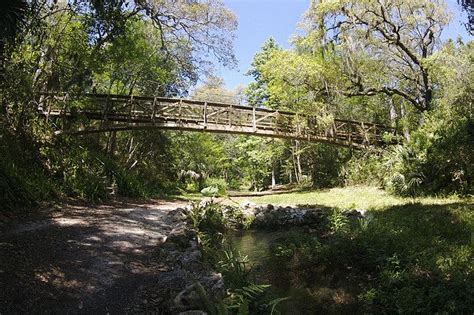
84 259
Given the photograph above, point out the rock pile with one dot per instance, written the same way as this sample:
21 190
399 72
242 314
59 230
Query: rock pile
176 288
280 216
270 215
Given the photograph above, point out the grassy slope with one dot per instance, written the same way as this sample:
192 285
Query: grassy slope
368 198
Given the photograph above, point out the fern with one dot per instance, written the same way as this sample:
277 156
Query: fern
252 291
275 302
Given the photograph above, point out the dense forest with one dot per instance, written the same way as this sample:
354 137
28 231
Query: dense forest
361 61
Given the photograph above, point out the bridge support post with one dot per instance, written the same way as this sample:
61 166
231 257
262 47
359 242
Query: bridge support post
153 112
205 115
254 121
131 109
180 110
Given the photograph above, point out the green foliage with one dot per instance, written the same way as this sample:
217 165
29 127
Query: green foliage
437 159
338 221
326 163
209 217
129 185
64 51
13 192
234 268
23 175
365 168
213 222
255 158
369 35
257 92
403 259
210 191
219 185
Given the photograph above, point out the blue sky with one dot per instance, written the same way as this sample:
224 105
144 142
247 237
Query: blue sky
261 19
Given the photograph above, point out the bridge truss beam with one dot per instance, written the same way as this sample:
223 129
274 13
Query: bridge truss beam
117 112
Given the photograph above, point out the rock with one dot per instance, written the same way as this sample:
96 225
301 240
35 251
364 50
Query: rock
178 213
247 204
270 215
193 257
357 214
180 236
187 298
205 202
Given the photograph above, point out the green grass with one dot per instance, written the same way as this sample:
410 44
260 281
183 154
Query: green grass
409 255
185 196
369 198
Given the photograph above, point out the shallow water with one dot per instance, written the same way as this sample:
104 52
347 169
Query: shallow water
256 243
311 293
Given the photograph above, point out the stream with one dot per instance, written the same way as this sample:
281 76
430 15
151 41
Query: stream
308 292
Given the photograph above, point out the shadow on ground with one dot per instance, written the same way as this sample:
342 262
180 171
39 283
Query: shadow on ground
83 259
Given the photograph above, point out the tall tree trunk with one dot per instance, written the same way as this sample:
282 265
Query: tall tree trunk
299 172
111 143
406 131
295 169
393 113
273 176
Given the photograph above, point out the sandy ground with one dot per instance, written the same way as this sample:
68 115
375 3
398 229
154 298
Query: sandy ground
83 259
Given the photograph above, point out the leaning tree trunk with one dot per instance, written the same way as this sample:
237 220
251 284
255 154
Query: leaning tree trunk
297 161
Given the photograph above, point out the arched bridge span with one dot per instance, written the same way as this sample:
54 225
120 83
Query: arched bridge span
118 112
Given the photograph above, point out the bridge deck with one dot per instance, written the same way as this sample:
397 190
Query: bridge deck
117 112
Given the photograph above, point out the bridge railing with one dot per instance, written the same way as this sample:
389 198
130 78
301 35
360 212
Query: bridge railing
194 114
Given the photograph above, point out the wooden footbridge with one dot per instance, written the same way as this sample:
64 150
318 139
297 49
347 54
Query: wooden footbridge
117 112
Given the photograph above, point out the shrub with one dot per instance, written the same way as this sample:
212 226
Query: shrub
437 159
218 183
13 192
211 191
23 176
365 168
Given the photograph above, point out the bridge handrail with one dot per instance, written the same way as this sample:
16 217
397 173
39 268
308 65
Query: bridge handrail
130 110
211 103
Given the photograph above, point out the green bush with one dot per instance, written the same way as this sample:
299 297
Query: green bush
13 192
325 162
23 176
211 191
129 185
438 159
218 183
365 168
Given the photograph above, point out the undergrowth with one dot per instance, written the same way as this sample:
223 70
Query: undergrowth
213 222
406 259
